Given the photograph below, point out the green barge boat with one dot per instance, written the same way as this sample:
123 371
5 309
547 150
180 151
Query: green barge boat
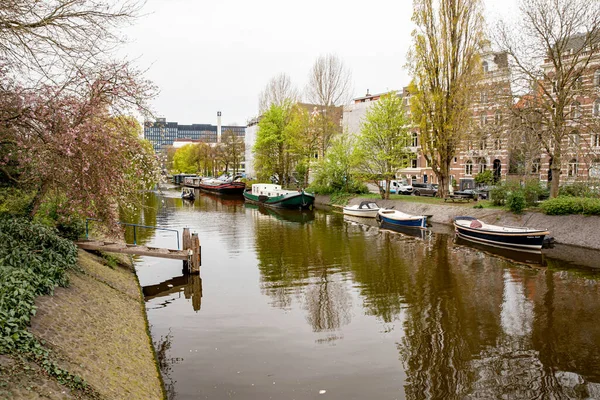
271 195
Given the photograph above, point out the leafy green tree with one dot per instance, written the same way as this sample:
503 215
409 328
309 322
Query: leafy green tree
273 148
382 145
334 173
185 159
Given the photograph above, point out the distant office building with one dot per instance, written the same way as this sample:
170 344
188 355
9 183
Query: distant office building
163 134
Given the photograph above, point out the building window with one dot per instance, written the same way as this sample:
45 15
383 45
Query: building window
535 166
578 84
413 163
483 97
575 109
482 143
497 144
469 168
485 66
596 111
574 139
572 170
483 119
498 118
597 78
596 140
414 139
482 164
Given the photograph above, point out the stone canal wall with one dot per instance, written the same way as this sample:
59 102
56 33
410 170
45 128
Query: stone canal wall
574 230
97 329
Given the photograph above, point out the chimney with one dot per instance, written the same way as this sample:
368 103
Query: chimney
218 126
368 94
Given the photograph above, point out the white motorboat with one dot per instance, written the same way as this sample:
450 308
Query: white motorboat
366 209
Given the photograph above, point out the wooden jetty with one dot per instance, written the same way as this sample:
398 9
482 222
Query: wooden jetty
190 255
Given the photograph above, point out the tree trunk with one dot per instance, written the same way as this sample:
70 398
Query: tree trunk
444 178
38 199
555 168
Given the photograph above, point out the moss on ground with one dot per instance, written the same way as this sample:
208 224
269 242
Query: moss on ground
96 329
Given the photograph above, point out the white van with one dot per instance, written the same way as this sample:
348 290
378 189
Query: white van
398 187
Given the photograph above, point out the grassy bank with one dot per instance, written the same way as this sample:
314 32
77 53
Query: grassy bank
72 327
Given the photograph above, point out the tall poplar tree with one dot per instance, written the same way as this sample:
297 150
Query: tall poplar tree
445 64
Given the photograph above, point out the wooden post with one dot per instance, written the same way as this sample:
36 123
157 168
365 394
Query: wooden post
195 267
187 245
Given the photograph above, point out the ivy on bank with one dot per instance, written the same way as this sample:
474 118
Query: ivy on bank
33 261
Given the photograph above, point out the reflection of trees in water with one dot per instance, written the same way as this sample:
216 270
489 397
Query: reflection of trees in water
475 326
479 327
435 349
143 213
165 363
328 303
302 260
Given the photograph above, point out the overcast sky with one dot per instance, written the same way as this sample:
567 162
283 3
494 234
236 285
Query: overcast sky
209 56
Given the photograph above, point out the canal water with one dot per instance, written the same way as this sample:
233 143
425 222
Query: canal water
315 305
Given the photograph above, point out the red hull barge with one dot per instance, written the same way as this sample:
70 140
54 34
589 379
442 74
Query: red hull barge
223 187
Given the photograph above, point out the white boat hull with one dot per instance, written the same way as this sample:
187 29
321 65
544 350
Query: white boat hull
360 213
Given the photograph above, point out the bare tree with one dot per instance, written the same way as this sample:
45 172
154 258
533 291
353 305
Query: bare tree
329 88
446 68
233 147
329 82
552 48
278 91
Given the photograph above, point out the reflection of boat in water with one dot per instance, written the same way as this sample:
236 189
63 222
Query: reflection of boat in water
271 195
188 194
395 218
407 231
283 214
366 209
520 237
225 199
361 221
524 256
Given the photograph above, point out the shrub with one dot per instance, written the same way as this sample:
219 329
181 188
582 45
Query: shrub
14 202
534 192
485 178
577 189
516 201
566 205
498 195
33 260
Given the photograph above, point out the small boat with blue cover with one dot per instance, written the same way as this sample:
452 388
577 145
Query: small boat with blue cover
471 228
393 218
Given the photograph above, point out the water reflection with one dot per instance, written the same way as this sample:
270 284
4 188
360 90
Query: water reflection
190 285
299 216
525 256
326 302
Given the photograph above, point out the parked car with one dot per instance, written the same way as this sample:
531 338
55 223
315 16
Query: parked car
398 187
424 189
472 193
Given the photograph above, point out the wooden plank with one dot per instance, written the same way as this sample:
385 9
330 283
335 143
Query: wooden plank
136 250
